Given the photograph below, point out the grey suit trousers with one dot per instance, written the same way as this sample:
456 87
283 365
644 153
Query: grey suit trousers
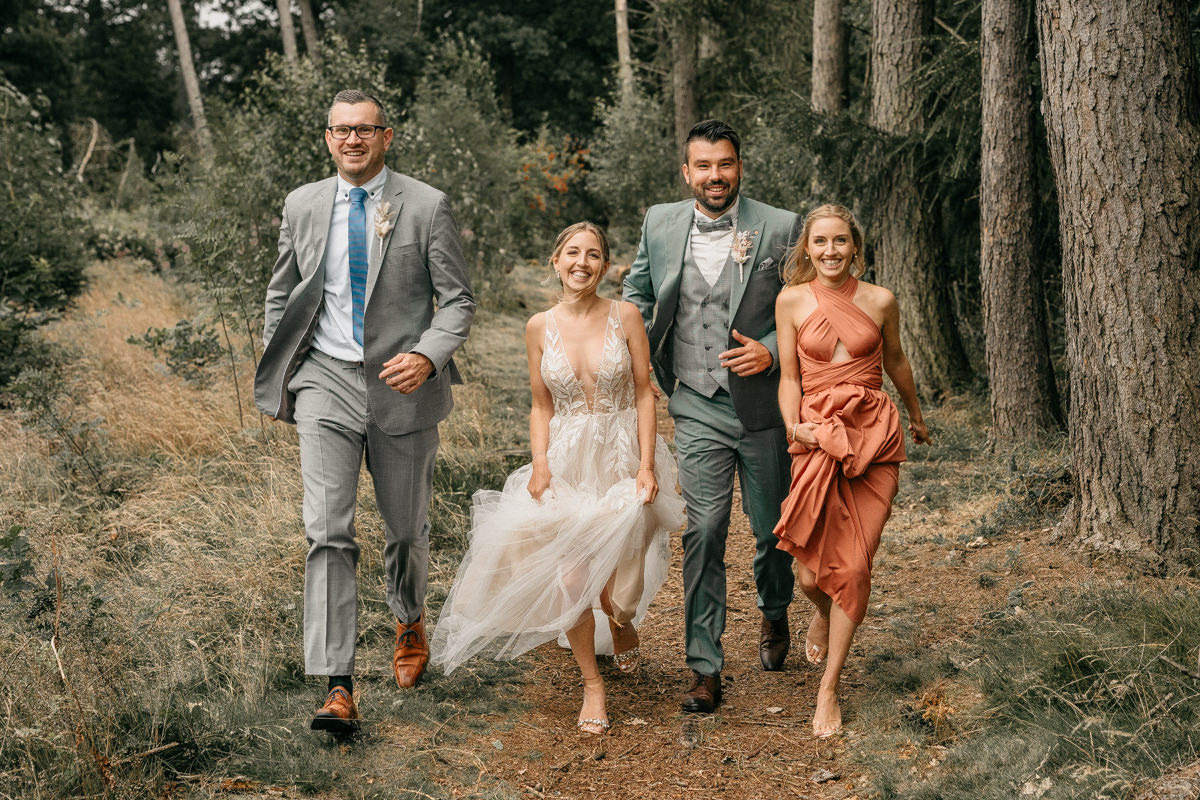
336 430
711 445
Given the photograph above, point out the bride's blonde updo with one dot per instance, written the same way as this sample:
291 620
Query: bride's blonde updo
798 268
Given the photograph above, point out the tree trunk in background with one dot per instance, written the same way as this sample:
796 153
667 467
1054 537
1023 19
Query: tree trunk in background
1024 397
1120 104
624 50
287 30
191 85
906 230
683 76
308 24
830 59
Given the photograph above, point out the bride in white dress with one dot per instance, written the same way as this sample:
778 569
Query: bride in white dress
585 525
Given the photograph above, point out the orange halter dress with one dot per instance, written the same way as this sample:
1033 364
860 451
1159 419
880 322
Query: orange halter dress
842 490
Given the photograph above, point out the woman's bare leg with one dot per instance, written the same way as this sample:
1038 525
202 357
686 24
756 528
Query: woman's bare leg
593 718
816 641
827 719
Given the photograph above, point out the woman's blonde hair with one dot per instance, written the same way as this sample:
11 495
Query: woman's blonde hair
798 267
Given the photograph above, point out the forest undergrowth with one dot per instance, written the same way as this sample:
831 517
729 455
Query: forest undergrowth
151 567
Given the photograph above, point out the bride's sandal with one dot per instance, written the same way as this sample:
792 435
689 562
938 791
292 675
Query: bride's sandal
626 660
594 725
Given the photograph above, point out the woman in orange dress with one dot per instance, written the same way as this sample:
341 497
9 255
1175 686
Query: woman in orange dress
836 336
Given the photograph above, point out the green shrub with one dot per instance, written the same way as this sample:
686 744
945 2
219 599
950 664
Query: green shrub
634 163
41 233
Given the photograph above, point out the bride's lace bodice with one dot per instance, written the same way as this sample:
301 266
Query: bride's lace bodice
607 390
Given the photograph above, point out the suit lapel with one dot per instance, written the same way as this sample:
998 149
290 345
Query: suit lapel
676 230
751 222
322 213
376 248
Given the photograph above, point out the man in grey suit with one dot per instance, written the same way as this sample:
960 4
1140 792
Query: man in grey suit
705 277
367 303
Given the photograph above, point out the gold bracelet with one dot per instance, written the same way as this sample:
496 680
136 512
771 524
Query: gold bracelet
795 432
645 469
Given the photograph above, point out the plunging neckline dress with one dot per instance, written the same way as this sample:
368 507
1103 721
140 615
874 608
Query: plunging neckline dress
531 567
842 490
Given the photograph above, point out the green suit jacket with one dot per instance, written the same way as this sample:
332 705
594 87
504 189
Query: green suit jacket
653 286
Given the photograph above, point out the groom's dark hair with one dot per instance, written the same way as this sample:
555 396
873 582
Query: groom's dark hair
713 131
353 97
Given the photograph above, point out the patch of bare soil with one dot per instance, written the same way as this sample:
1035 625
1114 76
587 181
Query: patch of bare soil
759 743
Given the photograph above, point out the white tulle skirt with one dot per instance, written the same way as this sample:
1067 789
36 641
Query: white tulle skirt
532 568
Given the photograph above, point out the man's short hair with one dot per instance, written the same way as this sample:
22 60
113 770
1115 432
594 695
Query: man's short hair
354 97
713 131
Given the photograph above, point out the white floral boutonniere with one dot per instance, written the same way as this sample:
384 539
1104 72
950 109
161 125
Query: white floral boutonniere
739 249
384 222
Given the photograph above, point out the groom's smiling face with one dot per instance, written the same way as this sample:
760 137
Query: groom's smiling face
713 171
358 160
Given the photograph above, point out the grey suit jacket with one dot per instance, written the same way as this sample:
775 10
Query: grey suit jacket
418 300
653 286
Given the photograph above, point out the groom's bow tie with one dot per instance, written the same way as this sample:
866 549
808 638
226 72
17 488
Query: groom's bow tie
722 224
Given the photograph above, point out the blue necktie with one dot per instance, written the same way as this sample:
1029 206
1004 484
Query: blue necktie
358 257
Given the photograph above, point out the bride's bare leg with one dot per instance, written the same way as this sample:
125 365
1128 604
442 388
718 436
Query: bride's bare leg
827 719
816 641
593 718
626 650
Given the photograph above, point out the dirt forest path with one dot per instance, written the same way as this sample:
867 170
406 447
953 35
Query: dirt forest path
759 743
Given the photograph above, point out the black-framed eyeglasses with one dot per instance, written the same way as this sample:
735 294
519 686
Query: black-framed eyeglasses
363 131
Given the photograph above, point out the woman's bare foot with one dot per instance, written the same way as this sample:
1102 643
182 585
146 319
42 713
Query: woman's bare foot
593 718
816 641
827 719
625 645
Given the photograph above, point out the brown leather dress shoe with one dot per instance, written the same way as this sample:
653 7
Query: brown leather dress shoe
338 715
704 695
773 643
412 653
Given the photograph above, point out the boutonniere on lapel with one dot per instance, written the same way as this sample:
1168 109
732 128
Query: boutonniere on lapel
739 249
385 220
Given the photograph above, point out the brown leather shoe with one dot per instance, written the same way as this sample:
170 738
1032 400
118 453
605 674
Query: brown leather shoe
773 643
412 652
338 715
704 695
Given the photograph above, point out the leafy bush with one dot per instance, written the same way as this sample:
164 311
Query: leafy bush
41 234
634 164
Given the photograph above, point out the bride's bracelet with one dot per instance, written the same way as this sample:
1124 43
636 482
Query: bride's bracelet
645 469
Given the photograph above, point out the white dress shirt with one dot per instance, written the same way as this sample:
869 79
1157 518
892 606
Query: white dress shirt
334 335
710 249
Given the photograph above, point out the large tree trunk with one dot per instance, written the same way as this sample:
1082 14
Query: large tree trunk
1120 104
830 58
191 85
287 30
909 257
683 75
308 24
1024 397
624 50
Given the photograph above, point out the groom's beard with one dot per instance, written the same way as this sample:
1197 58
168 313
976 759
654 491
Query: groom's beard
731 194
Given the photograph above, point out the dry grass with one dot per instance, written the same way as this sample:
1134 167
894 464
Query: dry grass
178 626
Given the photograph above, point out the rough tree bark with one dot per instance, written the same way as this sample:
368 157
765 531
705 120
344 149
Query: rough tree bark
287 30
1120 100
624 50
308 24
191 85
1024 398
831 58
908 252
683 75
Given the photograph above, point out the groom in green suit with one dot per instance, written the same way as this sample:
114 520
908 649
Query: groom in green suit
705 277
